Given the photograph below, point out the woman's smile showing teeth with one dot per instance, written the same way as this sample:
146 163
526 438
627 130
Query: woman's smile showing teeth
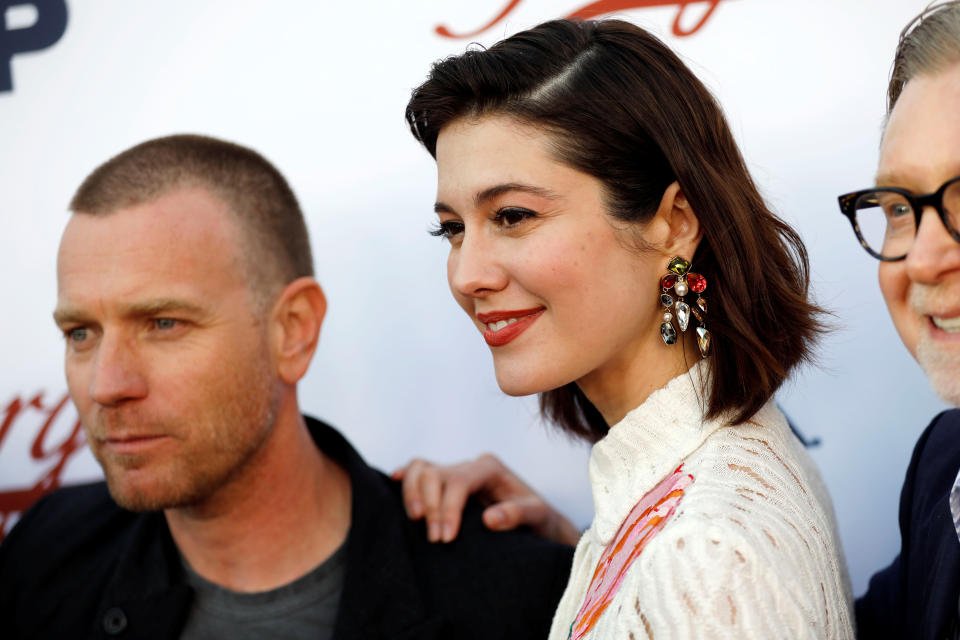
496 326
502 327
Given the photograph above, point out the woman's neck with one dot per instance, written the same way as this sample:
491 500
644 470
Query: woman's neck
622 385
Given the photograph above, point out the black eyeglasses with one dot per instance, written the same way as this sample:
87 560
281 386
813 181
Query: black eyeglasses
886 219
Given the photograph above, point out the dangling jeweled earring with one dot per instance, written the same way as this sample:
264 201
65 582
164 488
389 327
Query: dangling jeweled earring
682 282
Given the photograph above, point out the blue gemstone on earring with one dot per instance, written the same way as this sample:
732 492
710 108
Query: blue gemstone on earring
666 299
668 333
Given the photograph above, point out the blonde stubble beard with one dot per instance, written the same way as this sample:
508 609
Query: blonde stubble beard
237 428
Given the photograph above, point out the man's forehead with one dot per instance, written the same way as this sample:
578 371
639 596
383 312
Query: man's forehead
921 143
181 243
175 220
174 206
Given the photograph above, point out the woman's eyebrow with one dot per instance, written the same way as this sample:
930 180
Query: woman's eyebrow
492 192
497 190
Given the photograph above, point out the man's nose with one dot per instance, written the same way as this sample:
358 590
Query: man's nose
474 269
934 252
117 374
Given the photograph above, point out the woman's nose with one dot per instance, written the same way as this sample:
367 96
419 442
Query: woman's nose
474 268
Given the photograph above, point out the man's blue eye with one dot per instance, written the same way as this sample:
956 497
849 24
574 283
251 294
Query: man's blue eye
165 323
77 335
900 210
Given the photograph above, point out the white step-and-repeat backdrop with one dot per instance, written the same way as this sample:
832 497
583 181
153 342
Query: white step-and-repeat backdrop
319 88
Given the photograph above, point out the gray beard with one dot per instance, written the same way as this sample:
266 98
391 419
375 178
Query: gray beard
942 369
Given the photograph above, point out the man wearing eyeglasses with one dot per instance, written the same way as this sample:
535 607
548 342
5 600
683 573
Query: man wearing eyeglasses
910 222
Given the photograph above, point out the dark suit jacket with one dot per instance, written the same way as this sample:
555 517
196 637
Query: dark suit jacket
78 566
917 595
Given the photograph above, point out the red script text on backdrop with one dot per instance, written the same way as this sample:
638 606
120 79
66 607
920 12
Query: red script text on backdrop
603 7
16 501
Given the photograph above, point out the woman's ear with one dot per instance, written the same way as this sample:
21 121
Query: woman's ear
680 222
296 320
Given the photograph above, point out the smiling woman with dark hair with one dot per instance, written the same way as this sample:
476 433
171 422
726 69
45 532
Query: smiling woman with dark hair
609 244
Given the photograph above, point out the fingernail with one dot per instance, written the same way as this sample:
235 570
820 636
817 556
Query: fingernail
447 532
433 531
416 509
497 517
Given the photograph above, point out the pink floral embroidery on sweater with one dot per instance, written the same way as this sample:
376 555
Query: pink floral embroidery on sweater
643 522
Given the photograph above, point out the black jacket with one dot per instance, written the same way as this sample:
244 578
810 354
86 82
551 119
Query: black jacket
78 566
917 595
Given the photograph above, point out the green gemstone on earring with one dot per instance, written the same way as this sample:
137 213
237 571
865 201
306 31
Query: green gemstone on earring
678 266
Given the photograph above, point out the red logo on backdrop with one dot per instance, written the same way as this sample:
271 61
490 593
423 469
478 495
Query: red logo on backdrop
18 412
603 7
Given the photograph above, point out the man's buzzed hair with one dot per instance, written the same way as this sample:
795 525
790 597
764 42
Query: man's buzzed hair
928 44
276 246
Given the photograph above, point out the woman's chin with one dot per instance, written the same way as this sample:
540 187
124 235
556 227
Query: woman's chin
514 384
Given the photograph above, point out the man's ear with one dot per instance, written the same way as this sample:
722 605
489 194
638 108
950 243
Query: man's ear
678 224
296 320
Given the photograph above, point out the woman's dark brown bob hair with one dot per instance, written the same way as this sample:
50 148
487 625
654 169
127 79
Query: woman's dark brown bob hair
623 108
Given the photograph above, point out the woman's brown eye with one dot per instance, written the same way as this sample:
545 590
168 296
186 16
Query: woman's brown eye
512 216
447 229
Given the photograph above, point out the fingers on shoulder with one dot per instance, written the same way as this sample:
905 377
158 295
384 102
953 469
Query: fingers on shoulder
417 479
530 511
438 493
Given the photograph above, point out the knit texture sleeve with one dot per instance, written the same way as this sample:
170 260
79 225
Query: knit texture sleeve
704 580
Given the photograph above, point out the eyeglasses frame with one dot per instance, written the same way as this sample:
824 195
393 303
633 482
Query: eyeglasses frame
917 202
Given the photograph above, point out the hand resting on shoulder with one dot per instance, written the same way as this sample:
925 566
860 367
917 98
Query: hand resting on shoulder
439 494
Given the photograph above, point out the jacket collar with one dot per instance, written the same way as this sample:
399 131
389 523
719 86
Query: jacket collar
380 594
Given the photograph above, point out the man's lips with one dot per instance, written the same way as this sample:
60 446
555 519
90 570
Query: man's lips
132 443
503 326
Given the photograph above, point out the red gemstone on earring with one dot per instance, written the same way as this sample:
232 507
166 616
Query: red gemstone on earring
696 282
668 281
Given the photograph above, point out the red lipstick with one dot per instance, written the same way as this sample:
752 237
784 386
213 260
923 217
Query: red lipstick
524 318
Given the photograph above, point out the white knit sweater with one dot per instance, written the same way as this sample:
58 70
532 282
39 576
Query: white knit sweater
750 549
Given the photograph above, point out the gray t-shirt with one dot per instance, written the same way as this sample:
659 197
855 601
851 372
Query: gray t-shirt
304 608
